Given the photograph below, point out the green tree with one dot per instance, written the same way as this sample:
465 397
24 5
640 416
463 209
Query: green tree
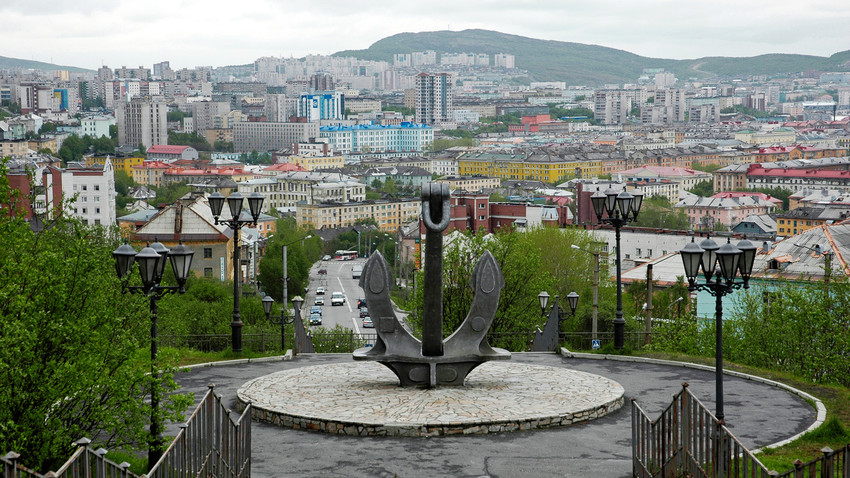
47 127
113 131
657 212
299 259
400 109
74 350
223 146
170 192
703 188
189 139
72 149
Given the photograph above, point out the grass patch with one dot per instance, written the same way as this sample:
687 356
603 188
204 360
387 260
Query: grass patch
833 433
138 461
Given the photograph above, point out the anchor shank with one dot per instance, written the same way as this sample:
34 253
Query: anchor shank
432 318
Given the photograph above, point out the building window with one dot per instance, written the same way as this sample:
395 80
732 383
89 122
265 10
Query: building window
208 272
208 253
97 187
85 188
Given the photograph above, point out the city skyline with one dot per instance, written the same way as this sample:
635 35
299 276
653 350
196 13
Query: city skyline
89 34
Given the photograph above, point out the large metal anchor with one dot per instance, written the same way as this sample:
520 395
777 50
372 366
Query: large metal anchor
432 361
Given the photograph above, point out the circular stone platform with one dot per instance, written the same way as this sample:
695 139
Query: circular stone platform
364 399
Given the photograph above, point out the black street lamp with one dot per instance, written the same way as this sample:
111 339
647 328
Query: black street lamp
283 321
234 203
555 311
731 260
151 262
620 209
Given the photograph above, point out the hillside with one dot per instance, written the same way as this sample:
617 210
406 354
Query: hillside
6 62
578 63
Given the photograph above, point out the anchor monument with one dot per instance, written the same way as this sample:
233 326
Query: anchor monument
432 361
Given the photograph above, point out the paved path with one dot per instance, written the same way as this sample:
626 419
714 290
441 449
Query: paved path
756 413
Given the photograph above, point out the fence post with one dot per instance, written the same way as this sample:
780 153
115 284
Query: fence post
827 468
798 468
100 463
10 468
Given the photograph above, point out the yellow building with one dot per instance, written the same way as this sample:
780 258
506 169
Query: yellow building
124 164
388 214
522 165
39 144
150 173
311 163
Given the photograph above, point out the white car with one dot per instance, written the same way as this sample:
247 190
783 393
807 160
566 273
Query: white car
320 290
320 300
337 298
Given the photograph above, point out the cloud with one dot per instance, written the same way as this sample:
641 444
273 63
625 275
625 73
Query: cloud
215 32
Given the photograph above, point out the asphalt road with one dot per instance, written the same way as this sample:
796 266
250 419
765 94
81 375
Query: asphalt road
337 279
758 414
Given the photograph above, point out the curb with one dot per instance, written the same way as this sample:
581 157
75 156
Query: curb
279 358
819 407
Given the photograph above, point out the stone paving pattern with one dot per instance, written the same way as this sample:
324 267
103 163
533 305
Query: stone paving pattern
497 397
757 414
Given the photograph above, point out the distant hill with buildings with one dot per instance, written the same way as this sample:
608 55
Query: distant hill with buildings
578 63
12 63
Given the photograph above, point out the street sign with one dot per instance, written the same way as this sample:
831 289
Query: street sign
595 344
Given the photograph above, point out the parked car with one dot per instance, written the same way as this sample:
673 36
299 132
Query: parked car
367 323
320 290
315 309
326 258
315 319
320 300
364 312
337 298
323 271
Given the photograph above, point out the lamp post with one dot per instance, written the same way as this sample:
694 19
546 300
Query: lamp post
555 311
621 209
594 323
283 321
151 260
234 203
732 260
285 279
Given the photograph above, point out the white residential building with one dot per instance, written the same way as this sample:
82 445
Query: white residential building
405 137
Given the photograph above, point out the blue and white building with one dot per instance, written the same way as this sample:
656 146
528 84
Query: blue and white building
404 137
322 106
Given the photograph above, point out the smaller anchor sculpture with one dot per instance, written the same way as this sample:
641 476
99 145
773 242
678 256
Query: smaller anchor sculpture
432 361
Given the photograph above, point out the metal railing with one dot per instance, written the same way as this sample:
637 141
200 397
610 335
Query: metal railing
687 440
833 464
85 462
210 443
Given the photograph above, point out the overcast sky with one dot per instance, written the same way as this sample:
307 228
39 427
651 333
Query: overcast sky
188 33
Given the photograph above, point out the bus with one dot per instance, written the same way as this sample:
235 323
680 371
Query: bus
345 255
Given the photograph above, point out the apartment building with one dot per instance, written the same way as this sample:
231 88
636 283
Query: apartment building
388 214
142 121
88 192
252 136
405 137
434 98
288 189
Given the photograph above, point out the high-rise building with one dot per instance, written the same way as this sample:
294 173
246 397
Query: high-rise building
434 97
322 105
142 120
612 106
250 136
504 60
205 112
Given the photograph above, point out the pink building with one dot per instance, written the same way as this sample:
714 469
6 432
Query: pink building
706 213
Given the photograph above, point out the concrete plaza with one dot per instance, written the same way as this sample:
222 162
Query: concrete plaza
757 413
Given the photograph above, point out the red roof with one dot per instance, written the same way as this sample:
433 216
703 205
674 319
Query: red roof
284 167
166 149
737 194
152 165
